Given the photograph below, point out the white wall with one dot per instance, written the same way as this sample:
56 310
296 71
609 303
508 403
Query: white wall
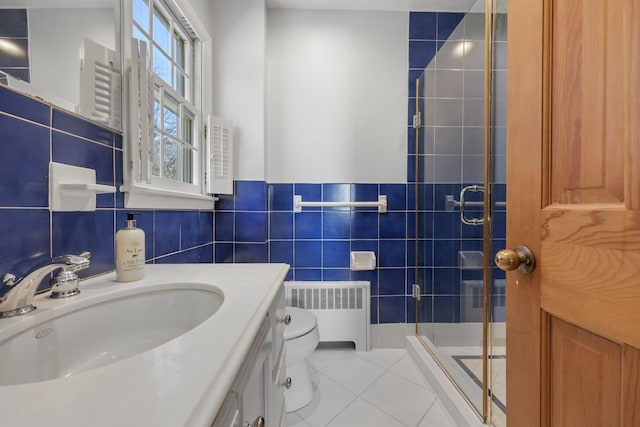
336 96
239 32
55 38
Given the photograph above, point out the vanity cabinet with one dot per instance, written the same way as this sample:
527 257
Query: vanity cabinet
256 398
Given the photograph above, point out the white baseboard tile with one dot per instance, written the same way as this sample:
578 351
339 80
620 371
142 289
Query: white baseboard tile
390 335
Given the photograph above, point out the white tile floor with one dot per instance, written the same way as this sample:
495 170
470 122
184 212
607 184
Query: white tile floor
379 388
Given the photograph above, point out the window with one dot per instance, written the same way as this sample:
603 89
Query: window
167 148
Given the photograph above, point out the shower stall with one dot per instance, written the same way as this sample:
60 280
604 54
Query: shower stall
460 189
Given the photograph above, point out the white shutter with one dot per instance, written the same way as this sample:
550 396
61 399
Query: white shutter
141 112
100 84
219 156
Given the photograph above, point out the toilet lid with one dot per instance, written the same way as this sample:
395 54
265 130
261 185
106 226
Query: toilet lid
302 322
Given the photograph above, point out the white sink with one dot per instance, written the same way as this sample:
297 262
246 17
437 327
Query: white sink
63 338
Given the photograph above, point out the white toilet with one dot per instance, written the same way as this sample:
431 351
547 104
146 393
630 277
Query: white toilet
301 338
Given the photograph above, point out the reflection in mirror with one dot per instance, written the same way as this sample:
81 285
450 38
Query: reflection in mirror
66 52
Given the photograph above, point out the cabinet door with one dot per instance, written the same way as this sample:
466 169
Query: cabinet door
255 394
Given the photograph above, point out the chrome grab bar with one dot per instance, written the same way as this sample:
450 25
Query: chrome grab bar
463 218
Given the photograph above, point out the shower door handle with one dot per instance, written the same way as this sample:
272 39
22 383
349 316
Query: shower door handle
463 217
520 257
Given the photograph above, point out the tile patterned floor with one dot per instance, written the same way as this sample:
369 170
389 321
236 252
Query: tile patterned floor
379 388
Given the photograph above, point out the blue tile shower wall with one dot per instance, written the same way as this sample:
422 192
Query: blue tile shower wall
32 134
258 225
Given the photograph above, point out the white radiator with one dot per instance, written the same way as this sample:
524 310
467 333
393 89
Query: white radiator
342 309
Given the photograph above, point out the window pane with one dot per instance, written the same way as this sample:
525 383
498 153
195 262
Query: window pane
171 112
187 165
138 35
170 158
141 14
178 50
156 107
161 33
179 82
155 155
187 129
161 65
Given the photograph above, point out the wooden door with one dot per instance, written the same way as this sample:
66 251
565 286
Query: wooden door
573 325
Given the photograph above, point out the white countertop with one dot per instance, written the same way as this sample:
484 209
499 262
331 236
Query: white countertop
180 383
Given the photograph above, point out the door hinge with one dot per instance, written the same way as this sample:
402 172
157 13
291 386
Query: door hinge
415 291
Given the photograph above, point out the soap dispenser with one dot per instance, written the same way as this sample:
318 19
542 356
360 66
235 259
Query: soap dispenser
130 255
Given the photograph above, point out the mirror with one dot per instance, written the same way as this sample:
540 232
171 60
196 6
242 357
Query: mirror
66 52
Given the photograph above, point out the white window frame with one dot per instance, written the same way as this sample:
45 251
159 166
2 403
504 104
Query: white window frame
142 189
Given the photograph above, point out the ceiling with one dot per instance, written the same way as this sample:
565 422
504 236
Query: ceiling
386 5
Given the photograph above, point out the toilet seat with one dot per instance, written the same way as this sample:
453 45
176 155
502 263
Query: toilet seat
302 322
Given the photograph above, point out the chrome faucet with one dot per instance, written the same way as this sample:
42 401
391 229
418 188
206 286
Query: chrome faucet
16 296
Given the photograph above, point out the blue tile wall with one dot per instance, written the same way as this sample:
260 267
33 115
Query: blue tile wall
317 241
34 133
14 29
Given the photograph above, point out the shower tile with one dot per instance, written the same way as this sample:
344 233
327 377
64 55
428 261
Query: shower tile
336 225
251 227
446 281
308 225
335 253
441 193
336 274
448 140
499 224
396 196
223 253
473 140
500 192
501 169
225 202
421 53
425 195
166 232
447 24
448 169
307 274
196 228
224 226
500 33
427 83
78 126
411 227
500 55
474 26
392 253
446 309
281 225
450 56
425 225
446 225
425 252
364 225
448 112
281 251
422 25
251 196
449 83
280 197
392 281
473 168
393 225
500 146
445 253
473 112
471 231
474 55
411 253
30 227
74 232
251 252
308 253
473 83
23 186
392 309
22 106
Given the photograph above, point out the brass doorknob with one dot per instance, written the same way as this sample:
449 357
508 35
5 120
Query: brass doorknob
520 257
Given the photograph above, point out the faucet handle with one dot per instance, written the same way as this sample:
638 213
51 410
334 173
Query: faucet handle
9 279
